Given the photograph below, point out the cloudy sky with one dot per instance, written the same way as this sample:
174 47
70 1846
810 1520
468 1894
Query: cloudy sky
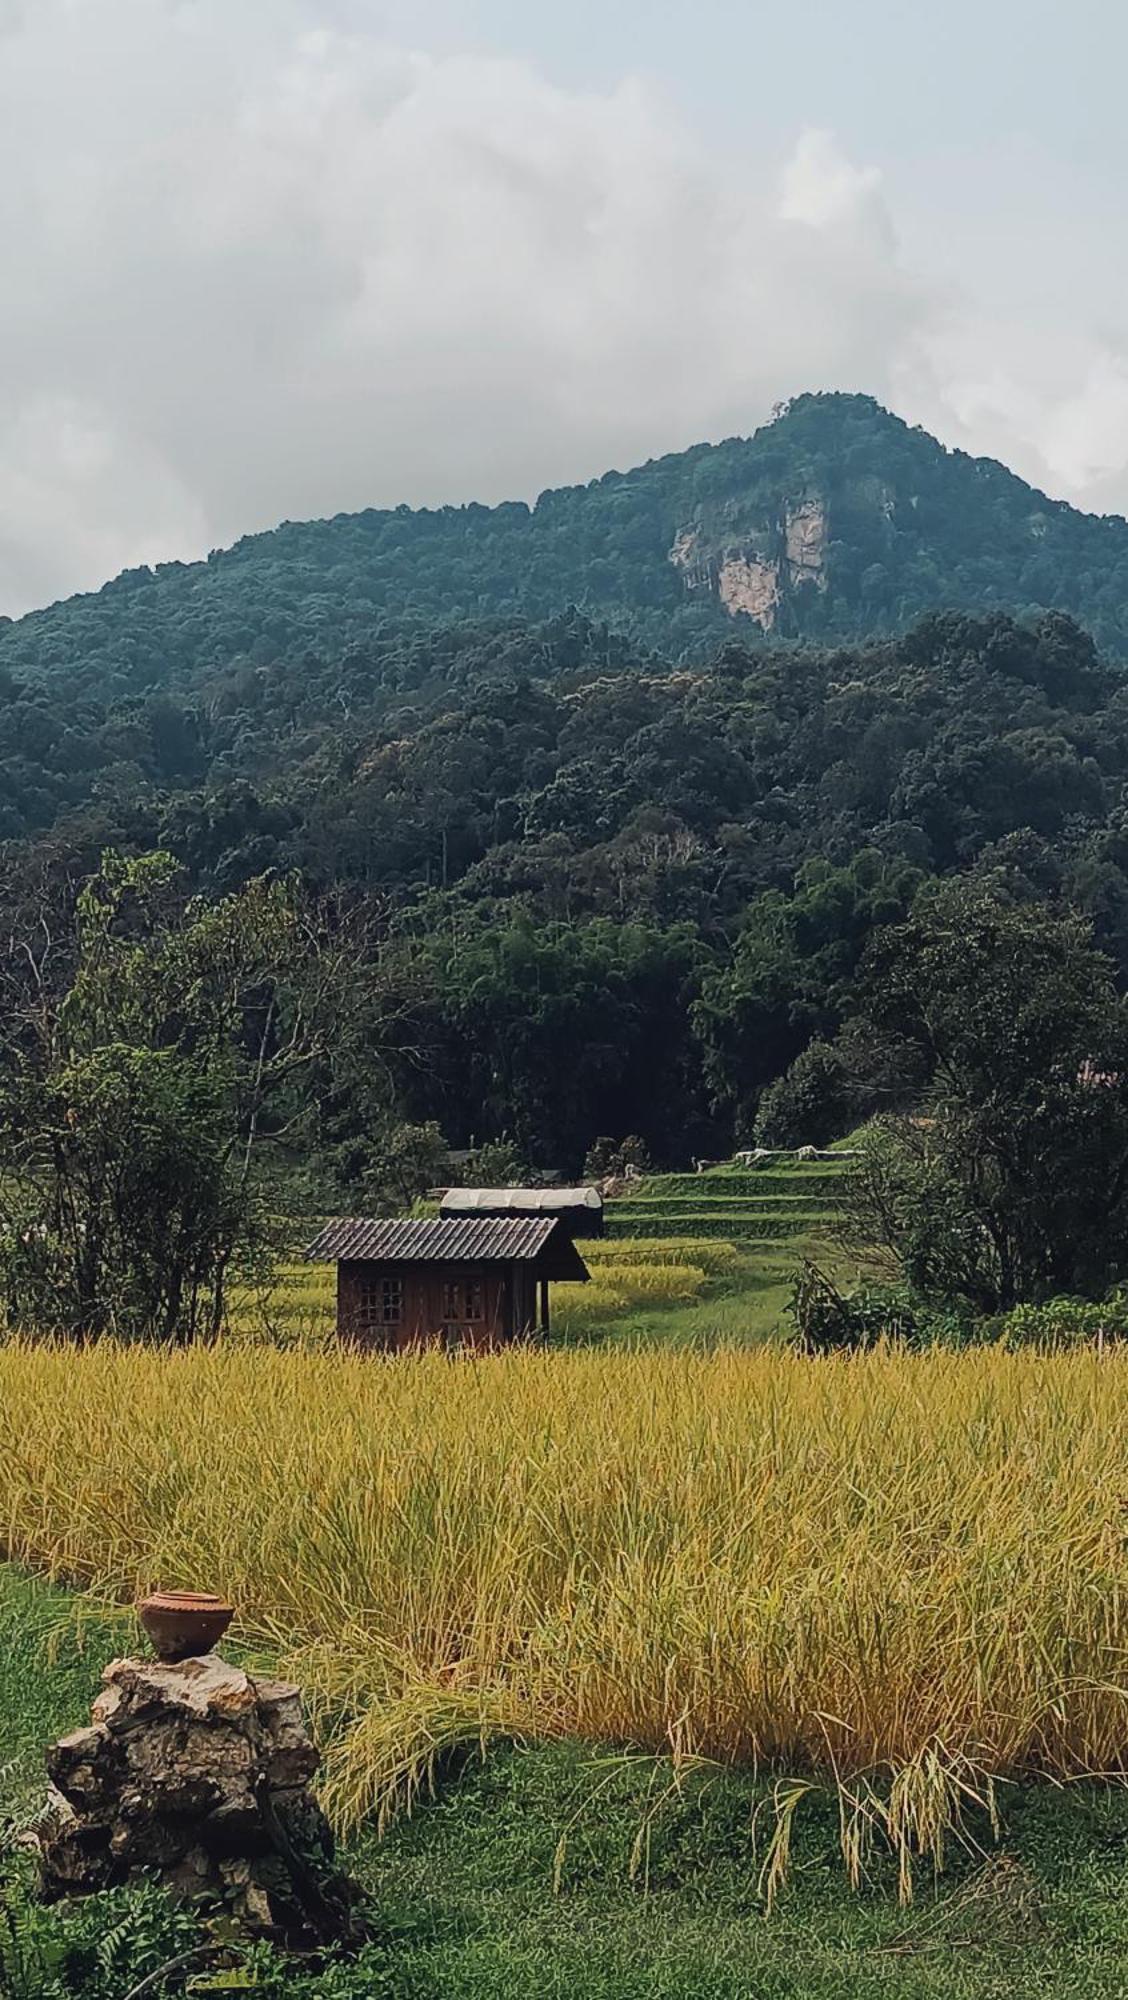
274 258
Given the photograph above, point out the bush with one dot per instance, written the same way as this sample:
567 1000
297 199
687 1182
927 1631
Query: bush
497 1163
397 1166
611 1158
1064 1322
809 1105
828 1321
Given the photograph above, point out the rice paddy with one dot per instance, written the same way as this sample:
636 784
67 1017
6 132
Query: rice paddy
904 1576
688 1258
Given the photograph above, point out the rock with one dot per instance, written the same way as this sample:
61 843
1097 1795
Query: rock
207 1686
201 1772
79 1768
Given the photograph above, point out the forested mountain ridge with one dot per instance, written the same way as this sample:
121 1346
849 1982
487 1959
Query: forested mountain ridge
595 846
587 866
836 520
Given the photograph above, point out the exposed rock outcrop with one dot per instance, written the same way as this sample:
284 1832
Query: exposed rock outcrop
752 577
805 544
750 584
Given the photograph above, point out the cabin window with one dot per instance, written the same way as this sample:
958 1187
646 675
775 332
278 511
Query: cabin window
462 1301
379 1303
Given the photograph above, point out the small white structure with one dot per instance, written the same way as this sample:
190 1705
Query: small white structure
580 1209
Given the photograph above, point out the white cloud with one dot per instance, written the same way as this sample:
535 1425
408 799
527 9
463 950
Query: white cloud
1085 437
259 265
1050 401
824 189
74 491
255 267
260 262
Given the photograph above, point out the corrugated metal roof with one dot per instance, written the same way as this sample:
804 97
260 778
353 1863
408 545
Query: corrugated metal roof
520 1200
409 1242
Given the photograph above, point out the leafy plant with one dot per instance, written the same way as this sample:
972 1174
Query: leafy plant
828 1321
140 1086
1065 1322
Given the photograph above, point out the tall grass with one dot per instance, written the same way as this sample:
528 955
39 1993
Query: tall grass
908 1573
709 1253
617 1289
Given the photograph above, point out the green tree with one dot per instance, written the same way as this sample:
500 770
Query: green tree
790 973
398 1166
809 1104
150 1067
1009 1181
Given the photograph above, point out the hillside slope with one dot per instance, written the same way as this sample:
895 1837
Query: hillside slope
833 521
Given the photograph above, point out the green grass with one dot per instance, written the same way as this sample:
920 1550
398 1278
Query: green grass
771 1217
741 1182
737 1225
559 1873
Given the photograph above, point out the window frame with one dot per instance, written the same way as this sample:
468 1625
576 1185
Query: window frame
380 1302
464 1300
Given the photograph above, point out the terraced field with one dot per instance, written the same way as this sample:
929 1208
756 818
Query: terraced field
735 1234
687 1259
764 1206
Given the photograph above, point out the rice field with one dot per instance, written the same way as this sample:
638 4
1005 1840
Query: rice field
903 1576
687 1257
297 1308
627 1275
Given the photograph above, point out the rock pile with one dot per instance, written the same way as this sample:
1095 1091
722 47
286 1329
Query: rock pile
199 1773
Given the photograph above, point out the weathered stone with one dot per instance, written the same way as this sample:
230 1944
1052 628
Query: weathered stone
207 1686
280 1698
80 1768
144 1840
200 1772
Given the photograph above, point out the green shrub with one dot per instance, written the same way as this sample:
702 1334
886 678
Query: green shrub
809 1104
1064 1322
828 1321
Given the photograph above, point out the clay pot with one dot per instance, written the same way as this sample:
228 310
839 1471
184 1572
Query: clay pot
181 1624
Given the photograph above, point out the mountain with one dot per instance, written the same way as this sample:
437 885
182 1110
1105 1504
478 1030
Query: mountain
834 521
620 787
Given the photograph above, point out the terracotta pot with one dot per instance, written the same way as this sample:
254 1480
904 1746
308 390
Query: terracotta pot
184 1623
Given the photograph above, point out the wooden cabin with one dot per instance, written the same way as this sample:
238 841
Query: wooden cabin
460 1283
579 1210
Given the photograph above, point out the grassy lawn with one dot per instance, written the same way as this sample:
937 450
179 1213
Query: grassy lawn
762 1221
560 1873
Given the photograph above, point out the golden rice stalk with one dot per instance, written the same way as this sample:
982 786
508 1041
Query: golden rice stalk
905 1576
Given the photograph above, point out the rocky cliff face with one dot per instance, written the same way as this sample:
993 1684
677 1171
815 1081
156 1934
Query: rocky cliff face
754 573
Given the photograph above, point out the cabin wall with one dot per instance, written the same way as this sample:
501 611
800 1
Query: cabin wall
390 1307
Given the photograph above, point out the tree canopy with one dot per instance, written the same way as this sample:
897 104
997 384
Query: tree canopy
148 1060
1007 1179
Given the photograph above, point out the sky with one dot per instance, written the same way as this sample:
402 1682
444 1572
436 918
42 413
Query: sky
270 259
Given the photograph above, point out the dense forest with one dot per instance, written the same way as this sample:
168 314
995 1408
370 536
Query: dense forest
612 853
835 521
604 893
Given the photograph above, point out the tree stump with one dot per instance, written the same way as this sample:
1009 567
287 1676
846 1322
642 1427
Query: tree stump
200 1774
